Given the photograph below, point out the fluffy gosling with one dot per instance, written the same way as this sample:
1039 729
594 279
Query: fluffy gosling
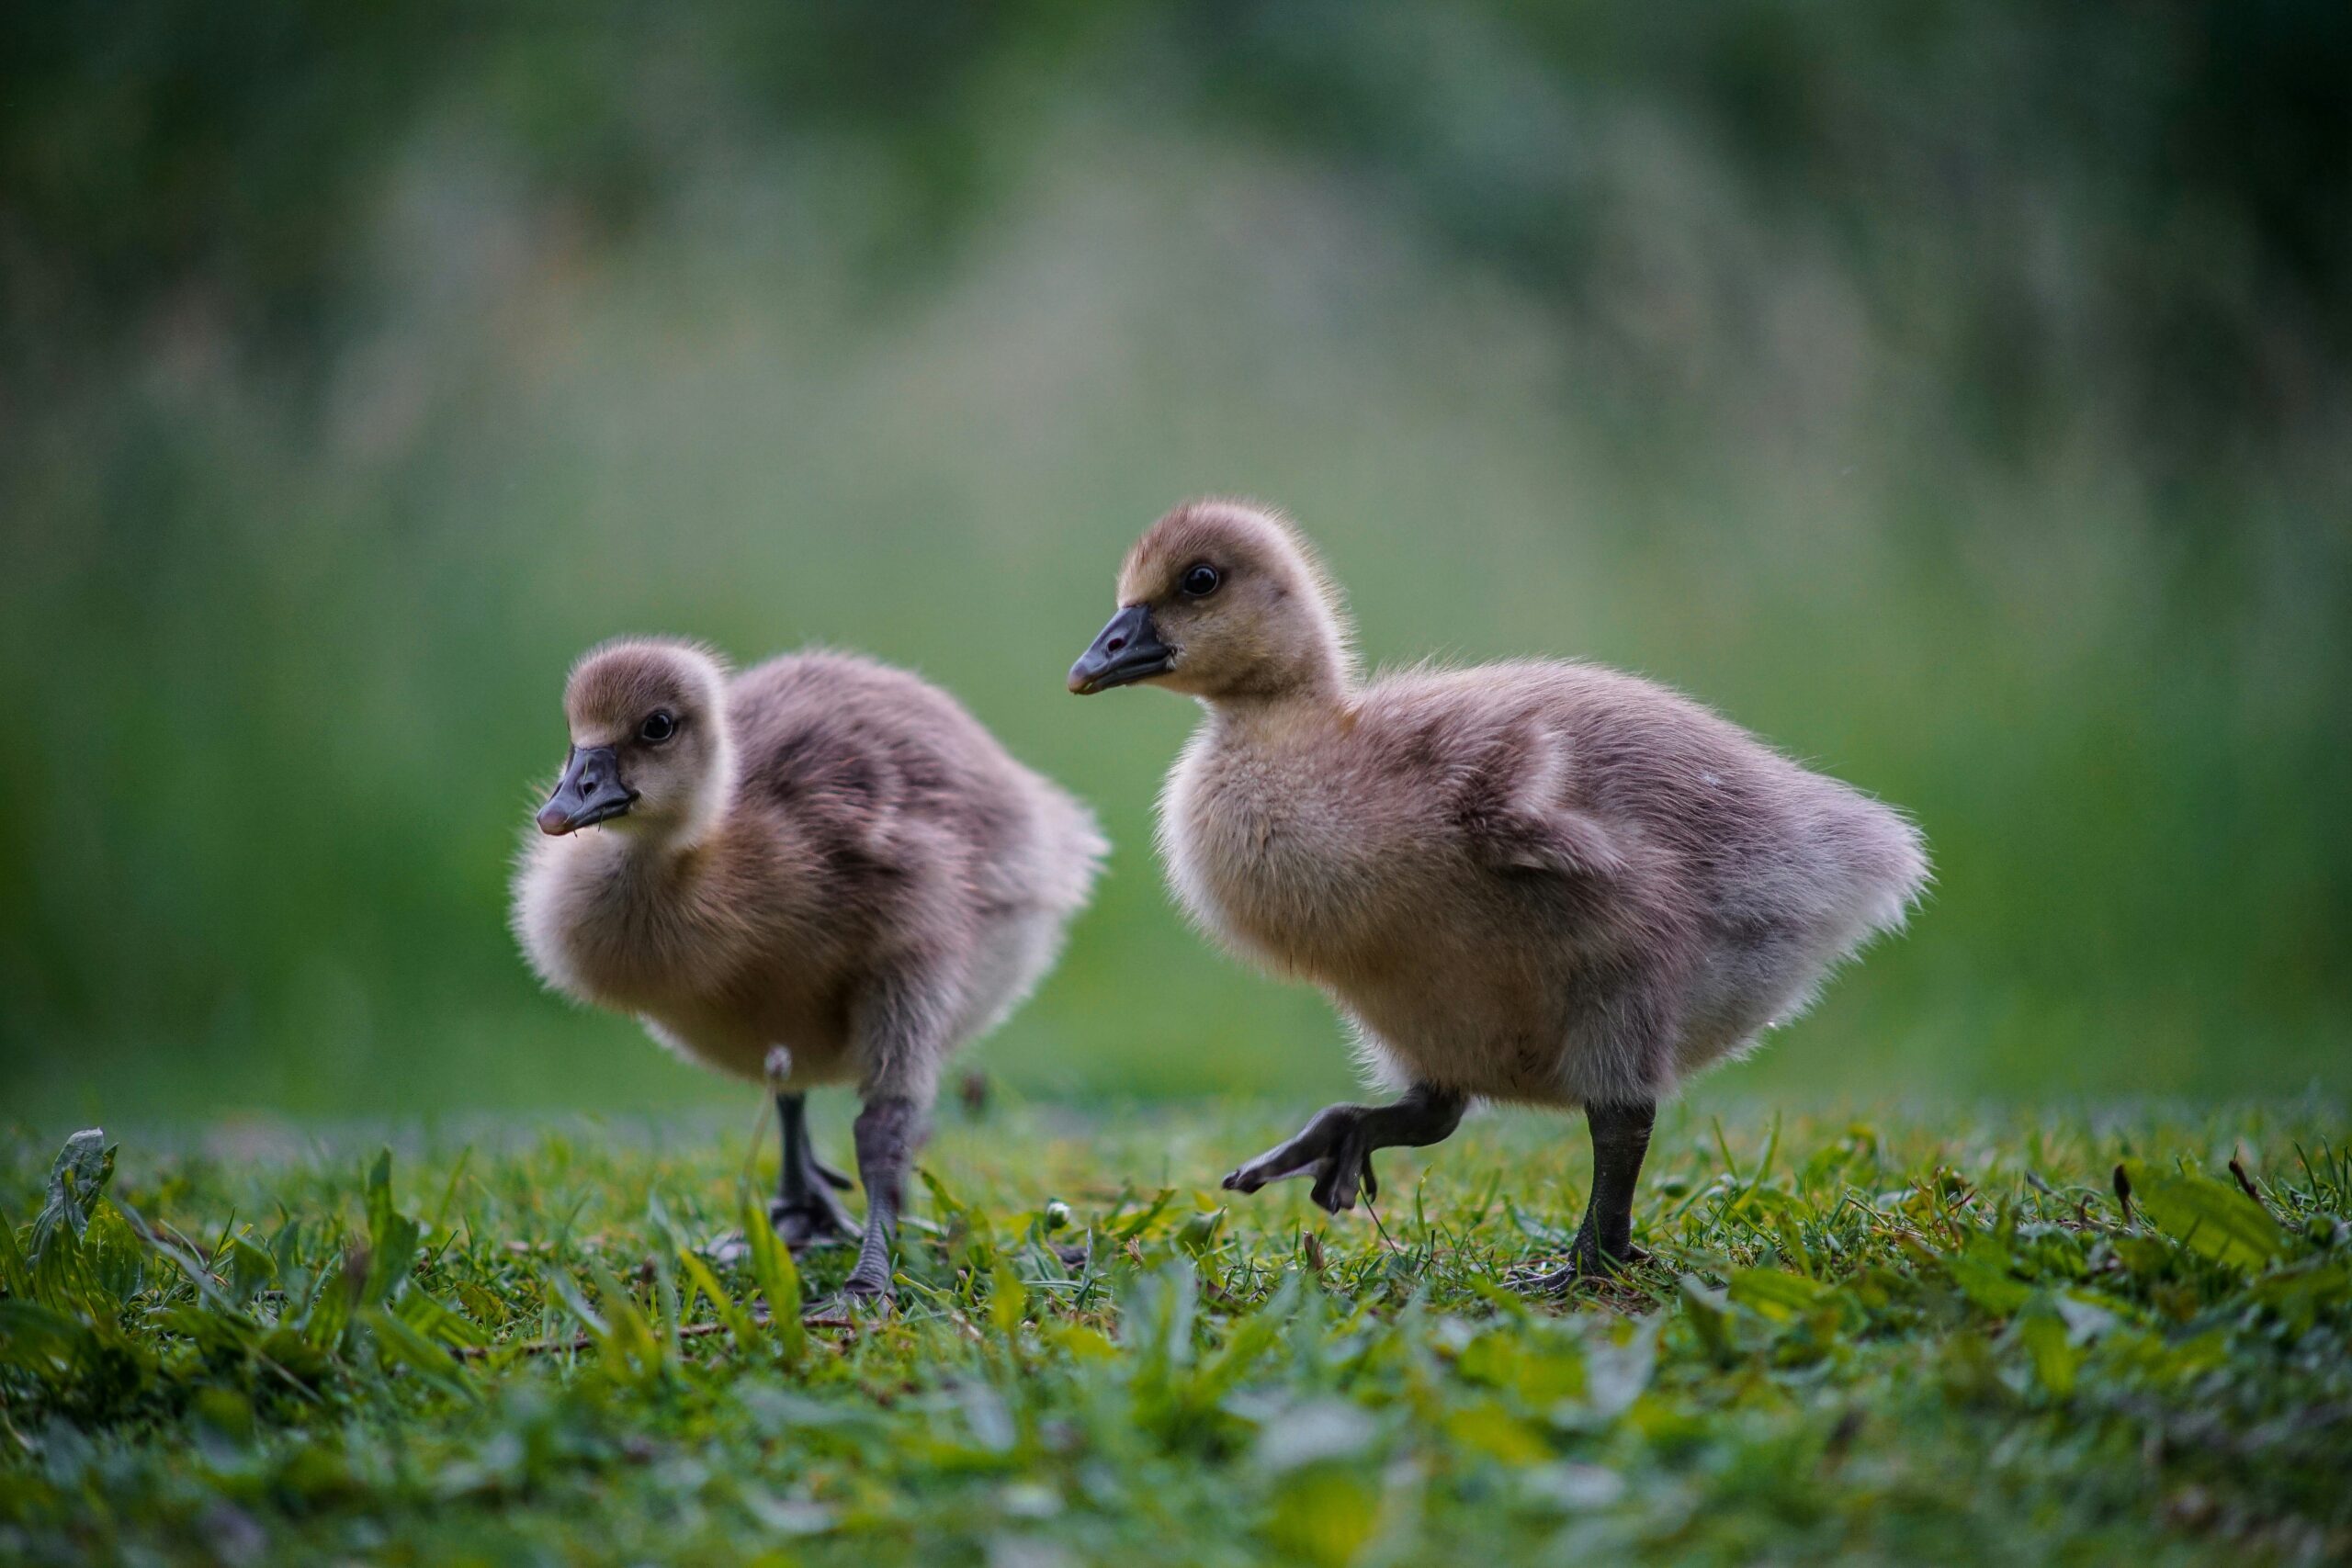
820 854
1541 883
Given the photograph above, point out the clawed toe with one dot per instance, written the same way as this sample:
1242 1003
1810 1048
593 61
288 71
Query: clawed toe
1341 1176
1279 1164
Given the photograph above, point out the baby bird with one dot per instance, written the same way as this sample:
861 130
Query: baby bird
1539 883
821 854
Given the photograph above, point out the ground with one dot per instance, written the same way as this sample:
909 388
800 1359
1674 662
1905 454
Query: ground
1878 1336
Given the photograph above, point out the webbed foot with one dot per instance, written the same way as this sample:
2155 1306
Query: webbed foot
1335 1149
861 1295
815 1218
1586 1263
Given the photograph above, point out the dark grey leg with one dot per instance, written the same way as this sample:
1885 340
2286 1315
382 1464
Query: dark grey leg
804 1210
792 1117
1621 1139
1336 1147
816 1169
888 1131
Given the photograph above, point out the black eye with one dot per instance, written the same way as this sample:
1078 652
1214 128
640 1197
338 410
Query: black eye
657 729
1201 580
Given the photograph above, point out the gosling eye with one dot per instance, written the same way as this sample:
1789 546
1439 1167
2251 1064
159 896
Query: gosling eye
1201 580
658 726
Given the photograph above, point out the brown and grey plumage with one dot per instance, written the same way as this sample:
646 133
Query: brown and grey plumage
1541 883
821 854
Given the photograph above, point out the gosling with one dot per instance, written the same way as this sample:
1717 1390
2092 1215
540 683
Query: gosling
1539 883
821 854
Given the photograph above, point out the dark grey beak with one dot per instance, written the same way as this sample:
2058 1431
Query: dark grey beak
590 792
1128 650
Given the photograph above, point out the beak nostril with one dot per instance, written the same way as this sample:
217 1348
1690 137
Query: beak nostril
1116 643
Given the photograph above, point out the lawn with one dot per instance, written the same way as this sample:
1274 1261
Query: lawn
1878 1336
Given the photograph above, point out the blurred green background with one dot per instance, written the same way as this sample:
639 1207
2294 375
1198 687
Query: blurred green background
1956 394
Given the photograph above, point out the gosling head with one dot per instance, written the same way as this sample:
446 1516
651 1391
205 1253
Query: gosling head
648 741
1221 601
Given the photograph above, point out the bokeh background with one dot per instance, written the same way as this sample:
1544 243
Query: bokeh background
1957 394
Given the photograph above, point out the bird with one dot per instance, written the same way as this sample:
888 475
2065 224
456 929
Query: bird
1539 883
820 871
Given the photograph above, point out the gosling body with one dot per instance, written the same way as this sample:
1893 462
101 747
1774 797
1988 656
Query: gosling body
821 854
1540 882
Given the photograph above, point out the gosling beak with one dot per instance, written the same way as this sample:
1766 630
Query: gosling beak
590 792
1128 650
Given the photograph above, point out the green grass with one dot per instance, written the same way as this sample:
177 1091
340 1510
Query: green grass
1896 1337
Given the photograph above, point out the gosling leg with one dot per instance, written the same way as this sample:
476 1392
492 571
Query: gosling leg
1620 1139
888 1131
903 1029
804 1210
1336 1146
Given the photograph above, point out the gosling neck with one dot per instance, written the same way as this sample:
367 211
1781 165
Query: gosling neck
1311 700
